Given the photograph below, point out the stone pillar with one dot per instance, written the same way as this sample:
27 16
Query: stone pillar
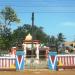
52 60
13 51
24 46
20 60
47 51
37 51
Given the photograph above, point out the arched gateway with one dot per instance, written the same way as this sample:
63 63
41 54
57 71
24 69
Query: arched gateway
39 52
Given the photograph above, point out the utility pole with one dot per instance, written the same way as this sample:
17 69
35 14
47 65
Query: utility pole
32 32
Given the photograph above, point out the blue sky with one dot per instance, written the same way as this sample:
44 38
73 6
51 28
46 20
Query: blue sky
54 16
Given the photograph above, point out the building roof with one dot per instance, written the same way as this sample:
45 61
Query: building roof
28 37
28 40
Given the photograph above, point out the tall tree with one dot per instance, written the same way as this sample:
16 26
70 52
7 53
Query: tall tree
59 41
52 40
60 37
5 39
7 17
21 32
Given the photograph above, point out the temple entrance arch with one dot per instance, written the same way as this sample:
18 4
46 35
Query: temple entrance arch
27 46
39 59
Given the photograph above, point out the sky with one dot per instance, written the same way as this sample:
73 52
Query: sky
55 16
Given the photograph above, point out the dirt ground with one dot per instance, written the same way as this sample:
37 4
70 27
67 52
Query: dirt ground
38 72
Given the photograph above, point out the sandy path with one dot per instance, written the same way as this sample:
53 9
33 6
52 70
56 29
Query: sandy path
38 72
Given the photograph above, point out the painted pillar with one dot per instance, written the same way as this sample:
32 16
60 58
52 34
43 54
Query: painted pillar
20 60
13 51
24 46
37 51
47 51
52 60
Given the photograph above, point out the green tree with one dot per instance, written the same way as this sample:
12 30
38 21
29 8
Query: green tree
52 40
5 39
20 33
60 39
7 17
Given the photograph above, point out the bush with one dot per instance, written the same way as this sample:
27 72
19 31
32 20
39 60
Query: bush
3 52
71 50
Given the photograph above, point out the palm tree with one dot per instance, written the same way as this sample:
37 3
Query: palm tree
59 41
60 37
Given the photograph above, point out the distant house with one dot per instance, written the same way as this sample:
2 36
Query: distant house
70 44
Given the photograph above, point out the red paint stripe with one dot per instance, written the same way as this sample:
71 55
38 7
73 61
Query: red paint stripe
2 63
74 60
67 60
70 60
52 58
5 62
12 61
9 63
64 60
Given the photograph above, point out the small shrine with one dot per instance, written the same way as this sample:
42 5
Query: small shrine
13 51
27 44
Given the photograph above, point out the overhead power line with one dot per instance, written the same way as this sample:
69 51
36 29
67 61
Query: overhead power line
38 0
57 6
45 12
